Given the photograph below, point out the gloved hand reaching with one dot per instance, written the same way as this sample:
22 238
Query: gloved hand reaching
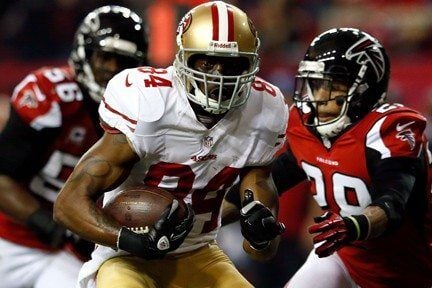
336 231
258 224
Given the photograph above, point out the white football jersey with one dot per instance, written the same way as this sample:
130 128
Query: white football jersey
179 154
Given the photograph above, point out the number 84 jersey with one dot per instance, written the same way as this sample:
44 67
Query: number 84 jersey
179 153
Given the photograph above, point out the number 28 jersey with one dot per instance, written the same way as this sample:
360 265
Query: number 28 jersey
178 153
341 175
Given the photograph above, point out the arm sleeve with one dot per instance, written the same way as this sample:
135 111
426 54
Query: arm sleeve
286 173
20 145
395 159
393 180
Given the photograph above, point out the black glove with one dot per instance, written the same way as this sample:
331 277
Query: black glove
49 232
258 225
163 237
336 231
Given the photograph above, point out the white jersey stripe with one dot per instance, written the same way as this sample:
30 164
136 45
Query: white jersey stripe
374 140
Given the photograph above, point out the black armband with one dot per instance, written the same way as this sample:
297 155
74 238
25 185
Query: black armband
286 173
395 190
393 181
42 224
358 226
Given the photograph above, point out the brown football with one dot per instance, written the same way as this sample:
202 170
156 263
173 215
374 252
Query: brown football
139 207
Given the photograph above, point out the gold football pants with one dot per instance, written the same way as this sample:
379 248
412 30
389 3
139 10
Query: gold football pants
206 267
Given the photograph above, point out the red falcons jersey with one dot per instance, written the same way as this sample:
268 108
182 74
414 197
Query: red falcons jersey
341 182
50 98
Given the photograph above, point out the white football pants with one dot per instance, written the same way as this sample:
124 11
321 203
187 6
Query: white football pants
23 267
327 272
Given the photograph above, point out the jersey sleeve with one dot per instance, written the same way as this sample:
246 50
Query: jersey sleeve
398 135
128 103
119 107
32 102
275 118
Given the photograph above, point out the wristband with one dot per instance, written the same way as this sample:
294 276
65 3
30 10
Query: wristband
358 226
41 222
49 232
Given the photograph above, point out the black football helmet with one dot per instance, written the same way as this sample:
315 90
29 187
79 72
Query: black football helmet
348 56
111 29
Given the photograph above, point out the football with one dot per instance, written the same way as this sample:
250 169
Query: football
139 207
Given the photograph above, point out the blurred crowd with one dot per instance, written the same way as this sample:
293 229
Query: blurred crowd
35 32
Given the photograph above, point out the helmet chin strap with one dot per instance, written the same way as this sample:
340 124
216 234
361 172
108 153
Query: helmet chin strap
333 129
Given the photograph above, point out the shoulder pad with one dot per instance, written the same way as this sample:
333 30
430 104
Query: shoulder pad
398 133
273 104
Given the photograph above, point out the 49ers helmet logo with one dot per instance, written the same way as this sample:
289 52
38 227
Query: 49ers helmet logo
184 24
367 52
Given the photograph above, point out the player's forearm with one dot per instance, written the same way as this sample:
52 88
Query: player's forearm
101 169
16 201
230 213
377 219
75 207
258 181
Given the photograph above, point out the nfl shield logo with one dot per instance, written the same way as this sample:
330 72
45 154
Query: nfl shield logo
208 141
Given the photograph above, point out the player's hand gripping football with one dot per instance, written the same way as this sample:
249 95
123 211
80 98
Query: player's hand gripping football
166 235
335 231
258 225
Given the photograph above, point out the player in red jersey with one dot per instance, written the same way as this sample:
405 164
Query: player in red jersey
53 121
368 166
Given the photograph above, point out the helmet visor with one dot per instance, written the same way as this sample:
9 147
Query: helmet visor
321 101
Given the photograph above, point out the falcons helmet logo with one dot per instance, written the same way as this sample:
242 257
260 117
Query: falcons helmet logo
367 52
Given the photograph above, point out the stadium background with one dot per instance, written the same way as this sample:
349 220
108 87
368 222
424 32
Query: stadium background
39 33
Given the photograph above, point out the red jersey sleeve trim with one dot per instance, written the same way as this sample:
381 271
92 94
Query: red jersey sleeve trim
109 129
109 108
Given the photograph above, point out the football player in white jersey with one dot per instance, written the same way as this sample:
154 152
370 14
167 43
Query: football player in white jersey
53 122
195 129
